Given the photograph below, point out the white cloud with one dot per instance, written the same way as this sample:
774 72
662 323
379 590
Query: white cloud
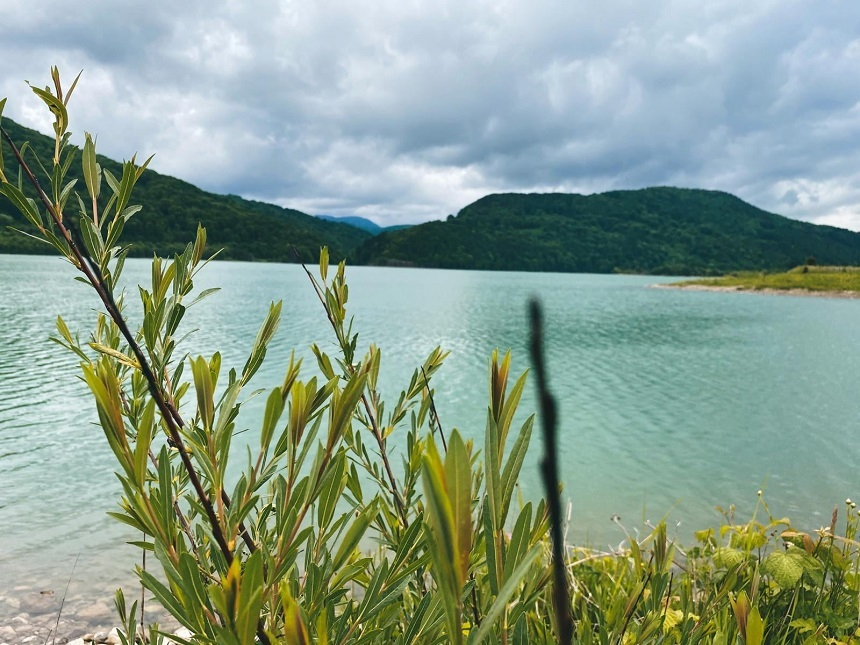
406 111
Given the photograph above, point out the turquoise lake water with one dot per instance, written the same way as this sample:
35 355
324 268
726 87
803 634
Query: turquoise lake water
671 402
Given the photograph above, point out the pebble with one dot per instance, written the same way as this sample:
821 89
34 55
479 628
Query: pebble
97 610
39 625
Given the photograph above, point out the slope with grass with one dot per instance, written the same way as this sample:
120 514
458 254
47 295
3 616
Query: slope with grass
668 231
244 229
810 280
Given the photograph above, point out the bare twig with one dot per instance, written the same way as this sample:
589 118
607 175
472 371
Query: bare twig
434 415
549 472
63 602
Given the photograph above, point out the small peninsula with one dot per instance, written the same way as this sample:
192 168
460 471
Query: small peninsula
807 280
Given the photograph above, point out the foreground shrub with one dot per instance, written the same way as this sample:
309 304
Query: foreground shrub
324 535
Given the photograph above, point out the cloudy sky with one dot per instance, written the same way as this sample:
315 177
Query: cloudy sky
404 111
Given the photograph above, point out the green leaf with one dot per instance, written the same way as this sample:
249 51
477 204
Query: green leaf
490 547
343 407
145 431
511 473
331 488
510 407
505 594
258 351
199 245
324 362
521 632
458 485
57 108
295 632
250 598
354 533
92 172
324 262
442 542
92 238
492 468
205 390
274 409
25 205
727 558
787 567
519 541
126 185
755 628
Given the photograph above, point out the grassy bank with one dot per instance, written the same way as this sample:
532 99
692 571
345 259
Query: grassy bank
836 279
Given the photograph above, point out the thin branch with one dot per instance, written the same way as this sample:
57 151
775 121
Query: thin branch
434 415
143 589
63 602
549 473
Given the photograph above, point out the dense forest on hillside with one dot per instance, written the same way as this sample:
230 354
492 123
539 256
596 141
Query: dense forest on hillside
244 229
655 230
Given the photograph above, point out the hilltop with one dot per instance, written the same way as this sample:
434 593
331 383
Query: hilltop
670 231
245 229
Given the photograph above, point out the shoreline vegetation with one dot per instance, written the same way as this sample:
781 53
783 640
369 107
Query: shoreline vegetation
277 556
808 280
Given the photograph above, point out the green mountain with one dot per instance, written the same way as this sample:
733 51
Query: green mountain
363 223
246 230
358 222
655 230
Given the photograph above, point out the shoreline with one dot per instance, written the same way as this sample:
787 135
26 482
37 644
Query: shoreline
803 293
29 615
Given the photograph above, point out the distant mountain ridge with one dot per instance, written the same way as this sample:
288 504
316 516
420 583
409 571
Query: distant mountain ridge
674 231
172 208
654 230
363 223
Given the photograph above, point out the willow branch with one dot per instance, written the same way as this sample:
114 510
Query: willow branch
169 414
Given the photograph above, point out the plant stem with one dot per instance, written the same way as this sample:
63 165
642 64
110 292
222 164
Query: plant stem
434 415
549 473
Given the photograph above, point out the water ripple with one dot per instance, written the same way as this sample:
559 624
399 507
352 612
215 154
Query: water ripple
670 402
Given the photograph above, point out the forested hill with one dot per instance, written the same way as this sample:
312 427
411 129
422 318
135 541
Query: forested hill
654 230
246 230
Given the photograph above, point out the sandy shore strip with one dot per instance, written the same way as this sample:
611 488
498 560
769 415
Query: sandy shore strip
807 293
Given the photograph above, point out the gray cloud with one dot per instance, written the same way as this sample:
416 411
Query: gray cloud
404 112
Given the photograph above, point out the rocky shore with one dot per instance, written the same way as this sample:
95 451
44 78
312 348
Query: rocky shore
28 616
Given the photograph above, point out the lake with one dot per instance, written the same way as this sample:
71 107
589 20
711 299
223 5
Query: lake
671 402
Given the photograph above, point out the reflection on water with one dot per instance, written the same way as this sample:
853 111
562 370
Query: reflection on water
671 402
